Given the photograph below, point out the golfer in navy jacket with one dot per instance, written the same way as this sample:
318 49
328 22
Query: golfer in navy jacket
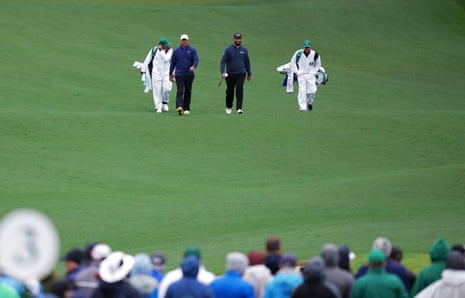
183 64
237 63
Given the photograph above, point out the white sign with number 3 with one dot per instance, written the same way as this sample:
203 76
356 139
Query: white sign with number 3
29 245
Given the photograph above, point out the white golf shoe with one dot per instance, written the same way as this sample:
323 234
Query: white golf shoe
228 111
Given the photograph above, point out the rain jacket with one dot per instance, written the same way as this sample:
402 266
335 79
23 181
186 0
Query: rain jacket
438 253
231 285
393 268
283 284
339 277
258 276
378 283
141 277
452 285
315 284
188 285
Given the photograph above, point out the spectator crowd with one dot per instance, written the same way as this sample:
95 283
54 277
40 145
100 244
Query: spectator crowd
97 271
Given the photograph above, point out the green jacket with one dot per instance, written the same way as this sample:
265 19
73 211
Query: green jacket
438 253
377 283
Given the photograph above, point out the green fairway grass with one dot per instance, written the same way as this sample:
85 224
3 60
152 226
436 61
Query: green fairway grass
382 154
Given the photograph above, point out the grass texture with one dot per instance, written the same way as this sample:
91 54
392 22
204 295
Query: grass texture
382 154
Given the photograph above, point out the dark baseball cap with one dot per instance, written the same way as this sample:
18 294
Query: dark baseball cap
237 35
289 260
75 255
158 261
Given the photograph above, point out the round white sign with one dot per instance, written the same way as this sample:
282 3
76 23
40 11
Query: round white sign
29 245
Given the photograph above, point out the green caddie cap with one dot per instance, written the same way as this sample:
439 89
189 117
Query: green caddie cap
376 256
164 41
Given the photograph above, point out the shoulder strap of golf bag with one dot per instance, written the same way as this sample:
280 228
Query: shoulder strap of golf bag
297 58
150 66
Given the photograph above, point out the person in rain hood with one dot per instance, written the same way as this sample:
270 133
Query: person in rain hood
438 252
204 276
315 284
285 280
141 276
257 274
342 279
188 285
452 283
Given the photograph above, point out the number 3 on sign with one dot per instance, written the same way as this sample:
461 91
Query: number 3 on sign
29 245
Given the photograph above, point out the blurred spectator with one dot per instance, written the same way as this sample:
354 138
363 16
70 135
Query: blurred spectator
438 252
345 258
397 256
377 282
257 273
88 253
315 284
63 288
342 279
141 276
203 275
48 280
286 279
231 284
158 260
385 245
86 280
188 285
113 272
272 253
73 260
452 283
459 247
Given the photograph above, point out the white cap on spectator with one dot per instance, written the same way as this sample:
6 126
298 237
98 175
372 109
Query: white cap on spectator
100 252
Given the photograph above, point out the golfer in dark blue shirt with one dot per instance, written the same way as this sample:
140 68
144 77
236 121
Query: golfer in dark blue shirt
183 64
237 63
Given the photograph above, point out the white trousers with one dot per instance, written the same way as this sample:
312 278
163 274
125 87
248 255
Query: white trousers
307 90
161 91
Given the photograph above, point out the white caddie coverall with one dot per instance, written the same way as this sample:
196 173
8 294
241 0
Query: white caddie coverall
306 68
161 85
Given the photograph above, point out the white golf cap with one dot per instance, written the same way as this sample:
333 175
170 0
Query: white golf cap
184 36
100 252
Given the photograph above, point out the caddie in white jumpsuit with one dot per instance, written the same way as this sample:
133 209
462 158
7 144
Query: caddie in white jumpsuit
305 63
158 61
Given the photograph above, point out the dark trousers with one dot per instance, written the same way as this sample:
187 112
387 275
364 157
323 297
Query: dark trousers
235 81
184 91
